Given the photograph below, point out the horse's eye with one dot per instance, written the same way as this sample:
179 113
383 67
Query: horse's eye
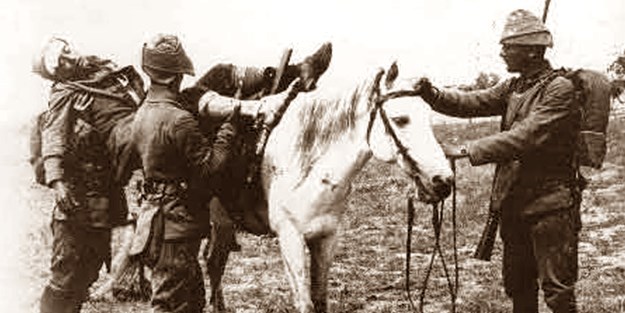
401 121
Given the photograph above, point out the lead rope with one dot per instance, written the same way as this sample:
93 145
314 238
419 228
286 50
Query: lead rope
437 221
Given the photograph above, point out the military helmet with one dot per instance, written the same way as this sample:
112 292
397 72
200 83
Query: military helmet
163 55
524 28
47 61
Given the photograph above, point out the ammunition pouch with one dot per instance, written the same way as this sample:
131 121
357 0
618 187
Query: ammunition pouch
148 238
155 190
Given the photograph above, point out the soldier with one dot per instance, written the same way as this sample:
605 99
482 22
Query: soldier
180 168
536 180
177 160
76 166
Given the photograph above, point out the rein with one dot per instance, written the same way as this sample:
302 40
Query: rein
437 221
437 210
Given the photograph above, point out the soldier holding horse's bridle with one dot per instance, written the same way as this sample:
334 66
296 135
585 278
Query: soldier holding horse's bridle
536 186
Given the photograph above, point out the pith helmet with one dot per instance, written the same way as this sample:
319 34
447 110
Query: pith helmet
164 53
47 61
524 28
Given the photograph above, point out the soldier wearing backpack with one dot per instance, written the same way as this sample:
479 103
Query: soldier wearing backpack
536 185
75 164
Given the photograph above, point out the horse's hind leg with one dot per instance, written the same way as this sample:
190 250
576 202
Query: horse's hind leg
222 232
321 255
293 250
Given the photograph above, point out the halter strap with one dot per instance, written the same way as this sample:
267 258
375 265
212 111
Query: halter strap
379 101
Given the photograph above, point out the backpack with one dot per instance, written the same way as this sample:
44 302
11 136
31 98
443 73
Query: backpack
593 92
124 84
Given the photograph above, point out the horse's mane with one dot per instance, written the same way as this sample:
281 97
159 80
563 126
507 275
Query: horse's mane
324 120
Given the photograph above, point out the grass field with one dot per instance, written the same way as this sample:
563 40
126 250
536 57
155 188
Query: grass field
368 272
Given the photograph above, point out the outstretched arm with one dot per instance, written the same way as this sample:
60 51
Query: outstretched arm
544 121
487 102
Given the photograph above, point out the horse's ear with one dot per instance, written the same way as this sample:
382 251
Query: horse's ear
378 77
391 75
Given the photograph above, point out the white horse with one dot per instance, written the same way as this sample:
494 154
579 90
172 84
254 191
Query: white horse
309 162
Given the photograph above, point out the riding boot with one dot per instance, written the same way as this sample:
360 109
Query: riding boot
525 303
54 301
315 65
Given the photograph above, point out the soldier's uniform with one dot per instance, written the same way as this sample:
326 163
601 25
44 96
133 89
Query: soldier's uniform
70 154
177 162
536 183
73 152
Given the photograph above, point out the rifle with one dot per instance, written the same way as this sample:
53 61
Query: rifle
266 129
484 248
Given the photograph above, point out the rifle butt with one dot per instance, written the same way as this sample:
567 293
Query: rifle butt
484 249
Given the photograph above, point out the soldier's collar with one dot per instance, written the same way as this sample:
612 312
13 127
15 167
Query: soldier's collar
537 73
161 92
528 80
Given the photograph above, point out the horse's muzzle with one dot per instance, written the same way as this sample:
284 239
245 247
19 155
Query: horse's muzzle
438 189
442 186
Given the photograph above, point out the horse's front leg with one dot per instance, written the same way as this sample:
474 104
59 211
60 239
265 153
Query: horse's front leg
296 262
321 255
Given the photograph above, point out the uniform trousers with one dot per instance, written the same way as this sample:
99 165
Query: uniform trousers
78 253
541 251
177 280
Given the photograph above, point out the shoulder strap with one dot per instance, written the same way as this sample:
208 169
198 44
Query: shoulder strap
170 101
124 77
96 91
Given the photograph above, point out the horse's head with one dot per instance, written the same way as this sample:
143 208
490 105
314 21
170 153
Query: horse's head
400 131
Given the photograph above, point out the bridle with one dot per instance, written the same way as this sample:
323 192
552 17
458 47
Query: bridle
378 99
437 210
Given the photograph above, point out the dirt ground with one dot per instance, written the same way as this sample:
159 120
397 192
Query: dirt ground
368 272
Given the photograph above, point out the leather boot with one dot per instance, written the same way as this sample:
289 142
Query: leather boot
315 65
525 303
55 301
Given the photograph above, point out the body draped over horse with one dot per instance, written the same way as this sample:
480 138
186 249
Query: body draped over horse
117 96
108 104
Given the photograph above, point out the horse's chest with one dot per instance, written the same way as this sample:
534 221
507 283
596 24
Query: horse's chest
315 206
324 193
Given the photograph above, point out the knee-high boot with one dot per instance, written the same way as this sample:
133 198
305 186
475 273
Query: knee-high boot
55 301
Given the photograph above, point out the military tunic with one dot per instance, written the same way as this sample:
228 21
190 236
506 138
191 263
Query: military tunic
73 152
178 163
535 184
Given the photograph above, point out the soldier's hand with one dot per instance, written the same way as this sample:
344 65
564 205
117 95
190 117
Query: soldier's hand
425 89
454 152
234 118
268 110
273 107
64 198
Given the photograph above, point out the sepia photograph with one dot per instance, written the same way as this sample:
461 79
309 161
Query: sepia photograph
312 156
